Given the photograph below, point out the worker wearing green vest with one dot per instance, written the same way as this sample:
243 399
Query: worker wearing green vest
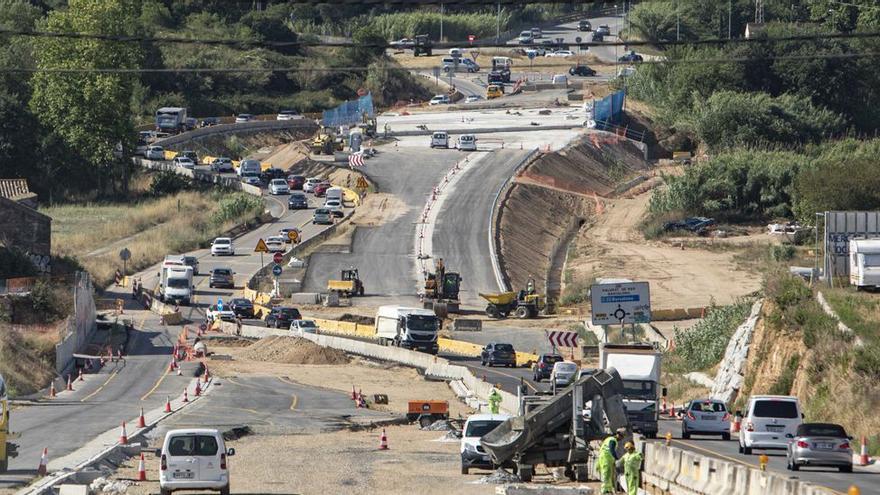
494 401
607 459
631 464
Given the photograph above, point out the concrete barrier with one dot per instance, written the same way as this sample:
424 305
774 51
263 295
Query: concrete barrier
465 325
305 125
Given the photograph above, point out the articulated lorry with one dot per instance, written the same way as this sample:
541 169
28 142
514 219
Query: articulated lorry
410 328
176 283
639 367
556 430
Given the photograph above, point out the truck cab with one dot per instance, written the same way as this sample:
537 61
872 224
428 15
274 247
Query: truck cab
175 284
410 328
639 368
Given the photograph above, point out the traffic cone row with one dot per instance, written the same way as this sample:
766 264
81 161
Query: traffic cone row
44 462
383 441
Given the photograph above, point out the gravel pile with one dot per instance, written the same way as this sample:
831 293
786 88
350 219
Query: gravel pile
439 425
293 350
499 477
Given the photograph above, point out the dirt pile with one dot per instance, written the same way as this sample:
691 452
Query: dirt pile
293 350
27 357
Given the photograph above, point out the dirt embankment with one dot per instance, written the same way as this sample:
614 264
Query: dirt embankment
293 350
551 199
27 357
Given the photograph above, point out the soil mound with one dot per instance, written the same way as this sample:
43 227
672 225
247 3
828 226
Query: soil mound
293 350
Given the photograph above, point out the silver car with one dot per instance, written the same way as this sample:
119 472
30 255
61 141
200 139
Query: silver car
820 444
705 417
563 374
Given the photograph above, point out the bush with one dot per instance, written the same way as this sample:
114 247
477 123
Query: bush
785 289
14 263
236 207
702 346
783 252
167 182
575 292
866 361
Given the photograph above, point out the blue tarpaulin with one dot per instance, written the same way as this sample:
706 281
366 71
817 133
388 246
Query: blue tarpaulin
350 112
609 110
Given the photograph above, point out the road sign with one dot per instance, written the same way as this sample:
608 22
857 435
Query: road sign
362 183
277 257
471 38
219 304
621 303
355 160
125 254
261 247
531 54
293 236
276 270
563 339
436 71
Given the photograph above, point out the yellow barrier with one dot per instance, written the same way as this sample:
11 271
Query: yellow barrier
351 196
459 348
206 160
265 166
169 155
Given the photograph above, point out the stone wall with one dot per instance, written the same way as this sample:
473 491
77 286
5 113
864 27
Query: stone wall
730 375
25 228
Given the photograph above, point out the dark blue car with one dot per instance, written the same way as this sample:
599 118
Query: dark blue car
297 201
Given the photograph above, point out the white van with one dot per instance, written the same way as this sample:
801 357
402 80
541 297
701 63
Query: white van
334 193
560 79
769 422
440 139
864 263
467 142
194 459
249 167
476 427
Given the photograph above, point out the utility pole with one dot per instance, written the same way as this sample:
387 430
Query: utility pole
498 24
441 22
729 13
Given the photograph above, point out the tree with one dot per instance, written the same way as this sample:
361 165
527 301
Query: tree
90 111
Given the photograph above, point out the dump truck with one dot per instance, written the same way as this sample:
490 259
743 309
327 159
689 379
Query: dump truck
523 304
441 290
422 45
556 430
639 366
326 142
7 450
349 284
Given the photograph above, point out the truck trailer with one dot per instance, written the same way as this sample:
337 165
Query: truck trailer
171 119
639 368
410 328
864 263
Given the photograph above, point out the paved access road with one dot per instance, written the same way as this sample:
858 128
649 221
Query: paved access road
836 482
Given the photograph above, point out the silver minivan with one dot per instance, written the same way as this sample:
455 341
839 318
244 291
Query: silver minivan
770 422
194 459
440 139
467 142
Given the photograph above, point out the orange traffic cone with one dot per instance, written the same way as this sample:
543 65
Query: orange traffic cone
142 423
383 441
52 392
167 405
44 462
185 396
354 395
205 376
123 437
69 384
864 459
172 365
142 469
198 389
81 375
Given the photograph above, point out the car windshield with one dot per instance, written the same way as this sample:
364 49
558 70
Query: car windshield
298 196
178 283
290 313
202 445
307 324
279 182
708 407
820 430
638 388
550 359
775 409
222 271
479 428
221 241
504 347
190 260
241 302
322 211
421 323
565 367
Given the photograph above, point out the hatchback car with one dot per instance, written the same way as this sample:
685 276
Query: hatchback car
820 444
184 162
584 26
322 216
193 262
222 246
321 189
498 354
278 186
544 366
706 417
252 179
297 201
295 182
243 117
310 183
439 100
472 99
525 38
604 30
299 327
288 115
770 421
581 70
563 374
242 307
475 428
194 459
630 57
222 165
282 317
154 153
335 207
275 244
222 277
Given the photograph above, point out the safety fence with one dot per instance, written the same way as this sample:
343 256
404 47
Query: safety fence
350 112
609 110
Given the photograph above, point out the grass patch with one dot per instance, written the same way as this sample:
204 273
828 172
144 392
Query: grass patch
783 384
574 291
857 310
27 358
702 346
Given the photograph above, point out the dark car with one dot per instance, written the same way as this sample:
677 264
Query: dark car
295 182
271 173
598 37
192 155
321 189
495 354
630 57
280 317
544 366
495 77
698 225
297 201
222 277
193 262
209 122
581 70
585 26
242 307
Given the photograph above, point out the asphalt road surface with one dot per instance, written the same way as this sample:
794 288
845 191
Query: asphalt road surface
384 254
868 482
461 234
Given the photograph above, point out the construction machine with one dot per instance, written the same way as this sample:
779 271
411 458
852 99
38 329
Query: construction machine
349 284
556 430
326 142
7 450
441 290
523 304
422 45
368 125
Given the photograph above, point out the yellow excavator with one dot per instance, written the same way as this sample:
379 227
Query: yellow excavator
325 142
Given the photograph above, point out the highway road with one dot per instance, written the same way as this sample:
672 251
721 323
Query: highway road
867 481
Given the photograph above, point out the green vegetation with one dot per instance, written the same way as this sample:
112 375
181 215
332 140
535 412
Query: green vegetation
14 263
702 346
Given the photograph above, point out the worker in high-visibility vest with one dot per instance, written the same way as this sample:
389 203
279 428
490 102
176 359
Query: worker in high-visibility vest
607 458
494 401
631 465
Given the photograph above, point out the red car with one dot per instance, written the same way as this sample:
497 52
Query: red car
295 182
321 189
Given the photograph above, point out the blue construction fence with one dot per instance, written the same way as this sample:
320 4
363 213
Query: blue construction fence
609 110
350 112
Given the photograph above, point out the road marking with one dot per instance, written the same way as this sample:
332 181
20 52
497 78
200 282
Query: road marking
293 404
158 382
528 384
112 376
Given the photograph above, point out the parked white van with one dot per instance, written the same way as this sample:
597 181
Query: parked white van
476 427
440 139
769 422
467 142
249 167
194 459
864 263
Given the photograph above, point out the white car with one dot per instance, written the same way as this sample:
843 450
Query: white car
472 453
467 142
300 327
560 53
154 153
769 422
310 183
276 244
335 207
243 117
194 459
184 161
472 99
213 314
563 374
439 100
278 186
222 165
222 246
288 115
440 139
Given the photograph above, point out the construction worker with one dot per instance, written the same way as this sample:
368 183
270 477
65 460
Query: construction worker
631 465
494 401
607 458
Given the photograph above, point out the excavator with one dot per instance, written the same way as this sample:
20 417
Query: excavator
326 142
441 290
556 430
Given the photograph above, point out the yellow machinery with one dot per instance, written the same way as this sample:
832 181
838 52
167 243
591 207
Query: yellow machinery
525 304
494 91
7 450
349 285
326 142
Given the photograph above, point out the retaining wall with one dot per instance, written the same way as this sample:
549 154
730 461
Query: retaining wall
243 128
229 182
81 326
731 373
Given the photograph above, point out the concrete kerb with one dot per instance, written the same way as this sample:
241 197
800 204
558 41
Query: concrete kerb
107 444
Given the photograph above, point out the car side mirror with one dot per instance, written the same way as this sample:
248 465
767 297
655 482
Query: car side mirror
663 392
230 452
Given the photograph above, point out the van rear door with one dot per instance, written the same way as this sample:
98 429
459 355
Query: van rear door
208 452
183 465
780 416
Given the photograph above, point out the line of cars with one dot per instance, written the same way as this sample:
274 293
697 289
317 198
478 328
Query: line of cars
466 142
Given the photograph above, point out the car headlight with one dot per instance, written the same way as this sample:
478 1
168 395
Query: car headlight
470 448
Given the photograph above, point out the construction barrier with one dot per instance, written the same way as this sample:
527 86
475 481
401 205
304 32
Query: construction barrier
678 313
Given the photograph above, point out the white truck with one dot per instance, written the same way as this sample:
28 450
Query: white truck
176 284
864 263
410 328
639 368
